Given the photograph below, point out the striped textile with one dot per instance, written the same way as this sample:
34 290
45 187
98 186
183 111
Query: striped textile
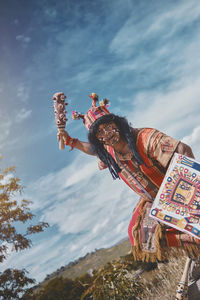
156 149
149 239
93 114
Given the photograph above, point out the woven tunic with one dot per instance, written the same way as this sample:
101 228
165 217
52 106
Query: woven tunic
156 150
148 238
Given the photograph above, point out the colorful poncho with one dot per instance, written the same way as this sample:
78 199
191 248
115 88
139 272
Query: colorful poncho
149 239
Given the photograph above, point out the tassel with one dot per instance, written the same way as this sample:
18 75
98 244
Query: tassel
105 102
76 115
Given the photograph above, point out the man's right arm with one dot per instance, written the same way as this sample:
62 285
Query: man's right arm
75 143
84 147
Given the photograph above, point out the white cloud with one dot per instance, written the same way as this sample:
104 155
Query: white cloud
185 13
24 39
135 31
90 206
175 111
80 201
155 54
5 128
37 259
51 12
194 141
6 179
83 76
22 93
22 115
61 182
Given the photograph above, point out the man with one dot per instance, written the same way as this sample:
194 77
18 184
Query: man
140 157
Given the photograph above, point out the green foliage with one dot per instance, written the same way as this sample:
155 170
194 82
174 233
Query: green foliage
13 212
60 289
13 282
115 281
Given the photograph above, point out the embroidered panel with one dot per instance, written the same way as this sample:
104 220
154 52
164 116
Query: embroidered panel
177 203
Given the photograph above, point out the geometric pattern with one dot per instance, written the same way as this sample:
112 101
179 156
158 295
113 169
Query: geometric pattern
177 202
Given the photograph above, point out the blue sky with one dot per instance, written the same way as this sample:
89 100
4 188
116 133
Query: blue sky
142 55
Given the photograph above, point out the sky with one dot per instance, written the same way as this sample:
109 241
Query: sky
143 55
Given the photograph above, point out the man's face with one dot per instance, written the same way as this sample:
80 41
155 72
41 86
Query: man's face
108 134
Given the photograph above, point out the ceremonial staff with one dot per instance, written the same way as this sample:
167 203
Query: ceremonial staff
182 289
60 114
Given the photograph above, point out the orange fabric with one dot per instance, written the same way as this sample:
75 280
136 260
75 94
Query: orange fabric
153 147
156 149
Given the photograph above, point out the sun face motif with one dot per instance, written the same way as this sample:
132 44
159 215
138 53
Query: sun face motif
183 192
177 203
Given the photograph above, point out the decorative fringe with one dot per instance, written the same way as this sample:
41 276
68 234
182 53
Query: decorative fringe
163 251
140 254
76 115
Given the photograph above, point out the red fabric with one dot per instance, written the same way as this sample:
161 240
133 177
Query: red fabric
174 238
135 215
171 238
156 149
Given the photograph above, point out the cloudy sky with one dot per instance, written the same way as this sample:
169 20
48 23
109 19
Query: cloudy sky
142 55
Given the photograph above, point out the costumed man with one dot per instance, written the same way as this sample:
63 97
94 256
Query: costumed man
140 157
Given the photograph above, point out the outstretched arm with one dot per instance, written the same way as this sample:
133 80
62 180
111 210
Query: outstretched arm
75 143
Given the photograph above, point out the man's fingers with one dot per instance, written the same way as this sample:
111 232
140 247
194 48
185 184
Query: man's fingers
59 136
62 135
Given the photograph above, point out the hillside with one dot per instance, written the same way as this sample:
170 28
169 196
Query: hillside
111 274
91 261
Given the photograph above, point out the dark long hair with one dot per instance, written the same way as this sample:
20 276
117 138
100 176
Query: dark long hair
98 148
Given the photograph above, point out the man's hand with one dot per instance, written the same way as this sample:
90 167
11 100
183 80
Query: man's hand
62 134
75 143
184 149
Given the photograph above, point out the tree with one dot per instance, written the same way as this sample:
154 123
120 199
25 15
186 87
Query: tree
13 284
12 213
61 288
